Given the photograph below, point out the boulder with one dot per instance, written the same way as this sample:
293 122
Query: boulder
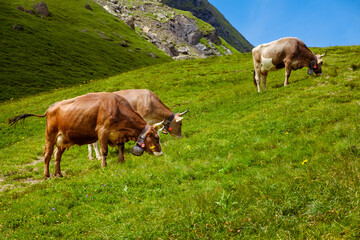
21 8
214 37
30 11
88 7
130 21
153 55
187 29
161 16
173 52
42 9
18 27
184 50
201 47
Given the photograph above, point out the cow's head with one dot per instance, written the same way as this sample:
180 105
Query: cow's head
315 66
175 124
148 141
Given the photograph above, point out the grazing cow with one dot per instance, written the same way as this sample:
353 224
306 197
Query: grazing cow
152 109
288 52
106 117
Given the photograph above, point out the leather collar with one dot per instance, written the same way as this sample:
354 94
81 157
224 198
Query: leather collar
167 125
140 140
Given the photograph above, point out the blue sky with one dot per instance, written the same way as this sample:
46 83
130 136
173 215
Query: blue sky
319 23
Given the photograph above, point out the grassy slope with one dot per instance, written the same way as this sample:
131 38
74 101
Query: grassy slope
66 48
278 164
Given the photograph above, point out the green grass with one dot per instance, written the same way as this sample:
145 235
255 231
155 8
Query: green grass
70 47
280 164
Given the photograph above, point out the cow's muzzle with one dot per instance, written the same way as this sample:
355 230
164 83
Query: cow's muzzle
158 153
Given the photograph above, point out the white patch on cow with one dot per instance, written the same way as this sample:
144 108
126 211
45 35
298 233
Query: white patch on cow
266 64
158 153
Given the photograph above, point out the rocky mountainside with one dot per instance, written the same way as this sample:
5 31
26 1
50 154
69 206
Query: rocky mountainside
176 32
203 10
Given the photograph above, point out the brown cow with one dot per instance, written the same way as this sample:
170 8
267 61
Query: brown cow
288 52
106 117
152 109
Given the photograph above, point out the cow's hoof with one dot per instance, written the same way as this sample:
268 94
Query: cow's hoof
58 175
46 176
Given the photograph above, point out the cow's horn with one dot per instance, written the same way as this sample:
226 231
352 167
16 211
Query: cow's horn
184 112
158 125
322 55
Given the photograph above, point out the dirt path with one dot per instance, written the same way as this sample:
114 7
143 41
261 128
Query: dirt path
26 181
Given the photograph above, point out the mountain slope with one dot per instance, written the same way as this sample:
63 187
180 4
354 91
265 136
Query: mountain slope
203 10
176 32
71 46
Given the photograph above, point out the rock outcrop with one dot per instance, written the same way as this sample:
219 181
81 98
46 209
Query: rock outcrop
41 10
178 33
203 10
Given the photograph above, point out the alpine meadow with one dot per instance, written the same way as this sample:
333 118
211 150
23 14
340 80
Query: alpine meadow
280 164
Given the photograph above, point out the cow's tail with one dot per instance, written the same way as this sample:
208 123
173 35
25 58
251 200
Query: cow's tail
254 80
15 119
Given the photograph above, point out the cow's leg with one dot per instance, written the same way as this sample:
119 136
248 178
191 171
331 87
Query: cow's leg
90 155
257 79
97 152
263 79
287 74
48 151
121 152
58 154
103 140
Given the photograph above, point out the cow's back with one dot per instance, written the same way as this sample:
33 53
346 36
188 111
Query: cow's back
79 119
144 101
280 48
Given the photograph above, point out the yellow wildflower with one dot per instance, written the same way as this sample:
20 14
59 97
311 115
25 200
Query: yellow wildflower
304 162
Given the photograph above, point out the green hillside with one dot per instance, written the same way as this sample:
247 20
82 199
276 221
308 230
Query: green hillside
72 46
282 164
